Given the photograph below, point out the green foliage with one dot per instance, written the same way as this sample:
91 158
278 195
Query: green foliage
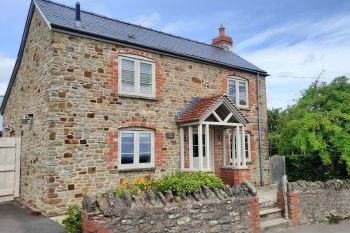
181 183
317 125
184 183
72 223
306 167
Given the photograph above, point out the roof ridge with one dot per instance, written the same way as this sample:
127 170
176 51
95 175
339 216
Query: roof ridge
136 25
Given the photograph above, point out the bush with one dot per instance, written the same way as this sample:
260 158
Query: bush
72 223
306 167
181 183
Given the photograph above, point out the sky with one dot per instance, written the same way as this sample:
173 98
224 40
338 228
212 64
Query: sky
295 41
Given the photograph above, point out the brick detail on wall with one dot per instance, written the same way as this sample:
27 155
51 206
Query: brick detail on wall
112 140
234 176
93 226
112 82
293 206
254 214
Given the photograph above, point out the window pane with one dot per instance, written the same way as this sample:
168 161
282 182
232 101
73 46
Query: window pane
127 148
145 158
247 146
242 93
195 151
145 147
232 90
127 158
128 75
145 78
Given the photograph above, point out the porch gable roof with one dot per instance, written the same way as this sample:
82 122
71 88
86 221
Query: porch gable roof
199 108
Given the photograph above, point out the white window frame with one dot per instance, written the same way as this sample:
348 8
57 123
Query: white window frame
137 60
247 148
237 80
136 164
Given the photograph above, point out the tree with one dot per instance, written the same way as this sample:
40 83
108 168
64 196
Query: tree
318 124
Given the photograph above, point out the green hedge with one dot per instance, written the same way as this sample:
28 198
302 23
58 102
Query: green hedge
306 167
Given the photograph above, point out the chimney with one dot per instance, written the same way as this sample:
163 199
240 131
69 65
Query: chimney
222 40
77 15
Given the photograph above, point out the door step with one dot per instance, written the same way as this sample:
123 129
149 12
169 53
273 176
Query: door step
271 225
270 213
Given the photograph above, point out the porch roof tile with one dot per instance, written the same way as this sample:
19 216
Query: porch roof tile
199 106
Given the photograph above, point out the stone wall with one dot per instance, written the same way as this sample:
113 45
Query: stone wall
314 202
29 95
69 84
234 209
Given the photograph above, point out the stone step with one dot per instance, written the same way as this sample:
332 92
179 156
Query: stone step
274 224
270 213
267 204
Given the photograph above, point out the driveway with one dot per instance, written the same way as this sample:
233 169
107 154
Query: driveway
16 219
342 227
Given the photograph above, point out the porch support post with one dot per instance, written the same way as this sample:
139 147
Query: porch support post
223 141
190 146
182 148
200 146
243 147
207 146
238 150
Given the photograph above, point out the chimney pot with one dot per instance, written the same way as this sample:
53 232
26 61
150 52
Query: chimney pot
77 15
223 40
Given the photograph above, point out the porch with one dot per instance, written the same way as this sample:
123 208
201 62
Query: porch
223 142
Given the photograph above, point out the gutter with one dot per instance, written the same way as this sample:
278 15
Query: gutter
261 159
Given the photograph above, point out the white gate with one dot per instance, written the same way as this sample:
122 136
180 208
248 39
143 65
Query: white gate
9 168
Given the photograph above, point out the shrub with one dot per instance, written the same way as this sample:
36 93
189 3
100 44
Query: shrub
72 223
181 183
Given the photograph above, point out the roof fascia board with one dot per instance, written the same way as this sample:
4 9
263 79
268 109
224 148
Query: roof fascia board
70 31
19 56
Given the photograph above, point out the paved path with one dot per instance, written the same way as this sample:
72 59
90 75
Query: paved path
17 219
342 227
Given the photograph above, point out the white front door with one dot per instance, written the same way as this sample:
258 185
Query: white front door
195 151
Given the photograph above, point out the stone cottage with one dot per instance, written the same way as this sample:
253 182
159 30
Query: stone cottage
103 99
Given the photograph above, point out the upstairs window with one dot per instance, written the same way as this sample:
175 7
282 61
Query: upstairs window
136 76
238 91
136 148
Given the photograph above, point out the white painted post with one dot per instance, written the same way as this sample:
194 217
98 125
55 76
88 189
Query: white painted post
207 146
200 146
223 143
182 148
234 151
244 164
190 146
17 167
238 144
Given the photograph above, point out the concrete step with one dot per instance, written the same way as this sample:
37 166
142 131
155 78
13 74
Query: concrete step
274 224
267 204
270 213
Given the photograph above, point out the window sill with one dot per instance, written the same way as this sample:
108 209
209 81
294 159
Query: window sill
134 96
136 169
243 108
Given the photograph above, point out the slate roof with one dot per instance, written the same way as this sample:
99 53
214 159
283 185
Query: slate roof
61 16
199 106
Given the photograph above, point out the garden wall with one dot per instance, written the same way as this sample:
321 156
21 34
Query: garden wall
314 202
234 209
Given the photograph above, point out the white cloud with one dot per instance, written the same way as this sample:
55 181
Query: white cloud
322 45
6 66
148 20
